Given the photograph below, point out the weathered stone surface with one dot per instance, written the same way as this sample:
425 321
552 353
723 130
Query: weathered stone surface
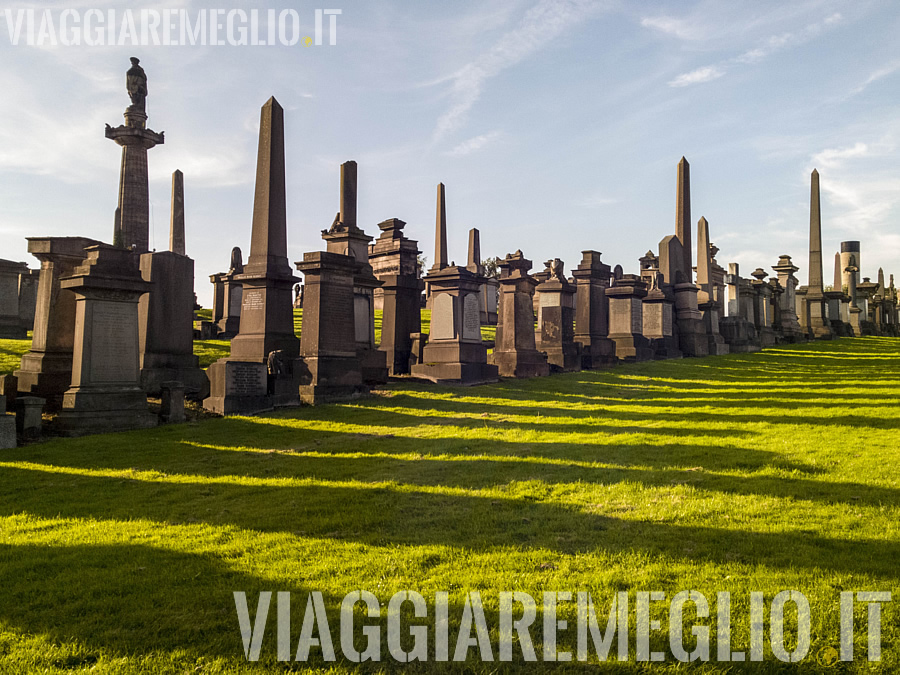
176 221
46 370
683 221
105 394
556 320
28 286
10 323
237 387
515 353
228 296
172 403
626 318
816 316
592 311
29 416
7 431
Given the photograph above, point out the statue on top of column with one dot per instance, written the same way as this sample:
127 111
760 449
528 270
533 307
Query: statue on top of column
136 84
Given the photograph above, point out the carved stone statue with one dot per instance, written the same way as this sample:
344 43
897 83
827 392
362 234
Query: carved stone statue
136 84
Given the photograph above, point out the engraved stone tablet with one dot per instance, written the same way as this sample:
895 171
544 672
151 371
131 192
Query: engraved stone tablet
637 318
114 342
618 316
252 301
471 318
361 315
549 299
234 306
245 378
442 323
653 320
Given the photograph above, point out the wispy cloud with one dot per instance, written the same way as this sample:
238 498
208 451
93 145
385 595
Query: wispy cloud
544 22
704 74
474 144
669 25
595 202
833 157
889 69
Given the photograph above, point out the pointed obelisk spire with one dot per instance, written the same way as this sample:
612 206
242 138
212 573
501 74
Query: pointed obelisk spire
704 261
440 231
838 275
176 222
683 215
881 281
815 238
348 195
268 242
474 262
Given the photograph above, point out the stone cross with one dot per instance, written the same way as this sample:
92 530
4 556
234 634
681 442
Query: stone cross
176 223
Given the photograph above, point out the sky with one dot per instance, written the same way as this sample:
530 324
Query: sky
556 126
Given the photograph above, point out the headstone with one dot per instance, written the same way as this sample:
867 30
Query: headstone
10 322
557 301
29 417
515 353
7 431
592 312
172 402
834 300
228 296
706 302
176 222
9 386
626 318
105 394
46 370
762 308
790 324
817 319
658 316
717 280
267 315
133 214
28 285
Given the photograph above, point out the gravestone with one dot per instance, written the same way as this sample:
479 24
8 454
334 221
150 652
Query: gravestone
835 302
132 226
817 324
556 298
762 308
9 385
176 219
172 403
626 318
658 316
46 369
490 286
394 261
10 322
515 353
706 302
7 431
228 296
29 417
592 312
790 324
28 284
856 314
106 393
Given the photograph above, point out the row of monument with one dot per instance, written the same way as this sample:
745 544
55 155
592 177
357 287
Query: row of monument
115 323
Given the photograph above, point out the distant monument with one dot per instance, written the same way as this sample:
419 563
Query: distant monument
132 222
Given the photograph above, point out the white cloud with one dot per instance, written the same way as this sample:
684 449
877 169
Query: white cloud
541 24
704 74
776 43
889 69
474 144
596 202
680 28
833 157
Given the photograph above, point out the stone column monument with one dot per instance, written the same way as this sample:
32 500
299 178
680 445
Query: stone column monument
707 305
556 297
592 311
626 318
515 354
10 323
132 227
176 222
790 324
817 318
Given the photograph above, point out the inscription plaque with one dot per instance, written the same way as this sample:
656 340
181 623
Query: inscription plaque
443 326
252 301
245 379
471 329
113 338
234 305
637 317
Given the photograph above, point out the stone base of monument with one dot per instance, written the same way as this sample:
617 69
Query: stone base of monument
159 368
11 328
599 354
93 410
767 337
228 327
7 431
868 328
328 379
520 364
47 375
631 347
373 366
238 388
841 329
465 374
665 348
739 334
563 358
692 338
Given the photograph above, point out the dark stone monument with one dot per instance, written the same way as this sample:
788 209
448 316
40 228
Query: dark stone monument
851 273
10 322
706 301
394 261
490 287
658 315
172 403
106 393
132 227
515 353
817 319
228 295
592 312
626 318
29 417
176 222
837 303
28 283
46 370
556 298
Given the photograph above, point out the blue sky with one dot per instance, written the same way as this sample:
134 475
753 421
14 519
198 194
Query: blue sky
556 126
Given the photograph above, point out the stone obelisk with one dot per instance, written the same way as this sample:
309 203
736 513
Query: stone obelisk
473 264
176 222
818 324
440 231
704 262
683 215
132 223
267 319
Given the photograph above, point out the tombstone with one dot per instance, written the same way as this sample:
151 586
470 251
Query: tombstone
346 238
592 312
228 295
683 222
9 385
7 431
28 284
29 417
692 336
738 332
556 297
851 273
540 277
717 280
515 353
789 321
834 299
658 317
132 226
626 318
455 352
867 290
10 322
817 325
394 261
239 384
706 302
46 369
440 240
106 393
490 287
172 402
762 308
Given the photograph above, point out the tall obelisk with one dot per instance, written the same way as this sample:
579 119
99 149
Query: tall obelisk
176 222
819 326
132 223
683 216
440 231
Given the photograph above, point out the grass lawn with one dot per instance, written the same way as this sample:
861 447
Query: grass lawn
766 472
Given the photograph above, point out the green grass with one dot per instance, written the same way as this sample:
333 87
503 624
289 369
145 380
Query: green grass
11 352
763 472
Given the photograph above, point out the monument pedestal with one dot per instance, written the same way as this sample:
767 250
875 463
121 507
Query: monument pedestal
514 353
626 319
692 335
658 328
238 387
